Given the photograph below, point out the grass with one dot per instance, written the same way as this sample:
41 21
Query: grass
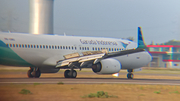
158 92
74 92
176 92
36 83
99 94
25 91
60 83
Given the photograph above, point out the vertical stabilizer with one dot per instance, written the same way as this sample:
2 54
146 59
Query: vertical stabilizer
141 43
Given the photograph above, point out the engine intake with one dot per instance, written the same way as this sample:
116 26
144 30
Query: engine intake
107 66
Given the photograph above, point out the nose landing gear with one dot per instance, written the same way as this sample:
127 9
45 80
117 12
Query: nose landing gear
130 75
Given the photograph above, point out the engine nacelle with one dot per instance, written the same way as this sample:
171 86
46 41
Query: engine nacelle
107 66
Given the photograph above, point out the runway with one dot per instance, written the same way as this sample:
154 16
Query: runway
88 81
7 77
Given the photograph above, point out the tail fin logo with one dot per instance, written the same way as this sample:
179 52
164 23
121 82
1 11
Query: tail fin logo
124 44
141 43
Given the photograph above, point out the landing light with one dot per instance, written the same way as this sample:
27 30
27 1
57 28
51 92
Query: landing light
115 74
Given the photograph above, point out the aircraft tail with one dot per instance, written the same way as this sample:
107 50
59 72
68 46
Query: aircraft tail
141 43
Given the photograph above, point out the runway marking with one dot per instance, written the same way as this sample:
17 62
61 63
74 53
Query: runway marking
91 83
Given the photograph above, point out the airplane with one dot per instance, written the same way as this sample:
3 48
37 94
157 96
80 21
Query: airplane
50 53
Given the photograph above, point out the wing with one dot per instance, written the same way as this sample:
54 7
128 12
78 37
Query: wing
91 57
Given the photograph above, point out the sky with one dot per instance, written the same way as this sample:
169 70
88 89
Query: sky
159 19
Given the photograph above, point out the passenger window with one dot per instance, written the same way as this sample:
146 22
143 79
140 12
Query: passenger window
16 45
28 46
10 45
55 47
40 46
93 48
69 47
109 49
114 49
52 47
79 48
49 46
31 46
66 47
46 46
98 48
20 45
82 48
63 47
37 46
58 47
87 48
72 47
75 48
34 46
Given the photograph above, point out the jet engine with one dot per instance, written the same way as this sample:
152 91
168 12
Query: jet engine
107 66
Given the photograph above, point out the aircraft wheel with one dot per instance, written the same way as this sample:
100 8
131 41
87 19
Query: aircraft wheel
130 76
38 74
33 73
29 73
66 74
74 74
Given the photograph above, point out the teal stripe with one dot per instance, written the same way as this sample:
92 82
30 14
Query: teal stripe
2 44
9 57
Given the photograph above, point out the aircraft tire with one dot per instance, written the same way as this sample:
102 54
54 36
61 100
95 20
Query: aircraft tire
130 75
74 74
66 74
33 73
29 73
38 74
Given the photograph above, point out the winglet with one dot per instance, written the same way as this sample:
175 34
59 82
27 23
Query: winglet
141 43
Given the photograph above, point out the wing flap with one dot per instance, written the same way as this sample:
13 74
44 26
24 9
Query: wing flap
79 59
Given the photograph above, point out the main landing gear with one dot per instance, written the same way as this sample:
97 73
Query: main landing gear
130 75
34 72
70 74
